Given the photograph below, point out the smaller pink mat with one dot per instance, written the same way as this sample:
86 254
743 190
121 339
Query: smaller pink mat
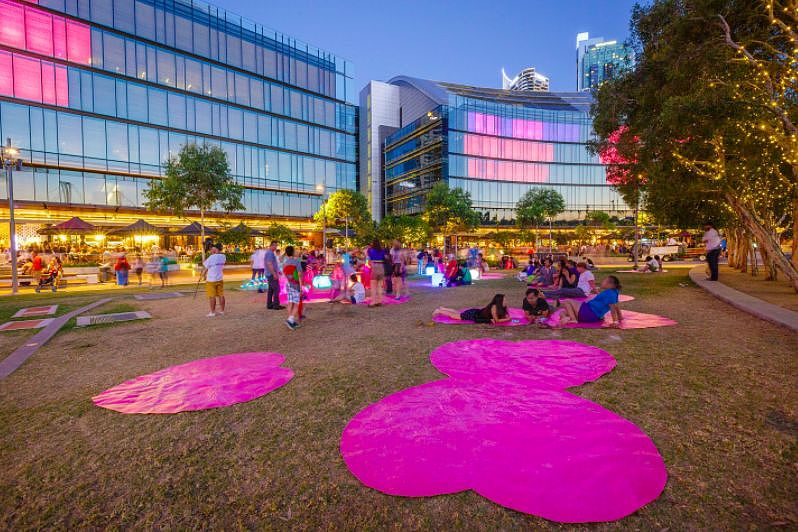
516 318
638 271
621 298
388 300
198 385
491 275
631 320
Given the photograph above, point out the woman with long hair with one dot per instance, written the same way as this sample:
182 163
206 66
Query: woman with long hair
495 312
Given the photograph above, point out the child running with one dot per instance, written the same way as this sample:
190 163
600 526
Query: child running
593 311
495 312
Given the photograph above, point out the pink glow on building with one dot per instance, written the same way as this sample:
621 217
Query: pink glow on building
33 30
520 150
28 78
518 172
521 128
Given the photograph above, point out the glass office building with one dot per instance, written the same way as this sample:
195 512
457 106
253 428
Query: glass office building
496 145
598 60
97 94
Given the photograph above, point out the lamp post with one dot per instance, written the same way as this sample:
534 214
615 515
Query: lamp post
9 158
321 189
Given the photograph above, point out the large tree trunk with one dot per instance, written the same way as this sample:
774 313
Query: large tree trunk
795 228
768 243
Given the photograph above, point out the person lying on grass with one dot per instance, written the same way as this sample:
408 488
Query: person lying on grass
495 312
592 311
535 305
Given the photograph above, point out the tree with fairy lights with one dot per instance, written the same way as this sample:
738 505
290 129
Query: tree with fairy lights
704 123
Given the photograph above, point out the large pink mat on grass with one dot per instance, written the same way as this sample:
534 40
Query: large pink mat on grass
503 425
198 385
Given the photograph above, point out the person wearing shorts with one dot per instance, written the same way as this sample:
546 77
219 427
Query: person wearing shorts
214 280
593 311
292 269
399 270
376 255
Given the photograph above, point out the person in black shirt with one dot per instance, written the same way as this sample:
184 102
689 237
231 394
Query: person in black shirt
495 312
535 305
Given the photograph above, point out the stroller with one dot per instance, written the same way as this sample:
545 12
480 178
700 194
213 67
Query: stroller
49 279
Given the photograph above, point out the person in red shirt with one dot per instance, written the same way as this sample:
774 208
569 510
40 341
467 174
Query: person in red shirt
37 267
452 268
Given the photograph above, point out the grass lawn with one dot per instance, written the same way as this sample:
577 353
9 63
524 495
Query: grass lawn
718 394
776 292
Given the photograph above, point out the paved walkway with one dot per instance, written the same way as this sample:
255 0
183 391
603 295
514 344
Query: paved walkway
18 357
750 304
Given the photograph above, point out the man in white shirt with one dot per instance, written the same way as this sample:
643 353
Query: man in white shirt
711 240
214 284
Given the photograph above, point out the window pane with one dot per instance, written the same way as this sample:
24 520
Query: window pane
70 136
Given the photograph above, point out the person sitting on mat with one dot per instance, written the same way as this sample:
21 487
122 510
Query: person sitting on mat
535 305
544 276
651 265
593 311
495 312
585 285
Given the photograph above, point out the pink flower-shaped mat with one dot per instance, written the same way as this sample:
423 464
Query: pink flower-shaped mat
503 425
631 320
198 385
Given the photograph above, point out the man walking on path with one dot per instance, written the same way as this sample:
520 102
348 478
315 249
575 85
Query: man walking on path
711 240
214 285
272 268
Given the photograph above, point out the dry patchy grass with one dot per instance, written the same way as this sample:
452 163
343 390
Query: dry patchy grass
717 394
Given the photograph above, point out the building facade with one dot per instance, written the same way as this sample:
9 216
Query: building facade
97 94
527 80
598 59
494 144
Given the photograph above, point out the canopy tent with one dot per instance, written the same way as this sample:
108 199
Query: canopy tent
139 227
194 229
73 226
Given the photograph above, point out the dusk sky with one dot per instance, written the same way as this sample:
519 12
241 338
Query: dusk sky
461 41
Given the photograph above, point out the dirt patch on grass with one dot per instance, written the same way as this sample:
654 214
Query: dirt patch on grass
704 391
776 292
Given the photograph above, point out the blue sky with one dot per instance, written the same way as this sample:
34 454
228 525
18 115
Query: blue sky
461 41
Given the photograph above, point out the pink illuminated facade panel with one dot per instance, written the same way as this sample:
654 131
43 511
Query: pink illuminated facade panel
34 30
28 78
502 148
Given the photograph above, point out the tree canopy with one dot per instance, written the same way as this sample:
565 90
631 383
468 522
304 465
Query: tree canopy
344 207
537 205
197 178
407 229
702 129
282 234
450 210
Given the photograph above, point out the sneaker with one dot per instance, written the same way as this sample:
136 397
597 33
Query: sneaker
221 313
291 325
279 307
210 315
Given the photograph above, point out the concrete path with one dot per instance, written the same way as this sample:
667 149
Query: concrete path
18 357
750 304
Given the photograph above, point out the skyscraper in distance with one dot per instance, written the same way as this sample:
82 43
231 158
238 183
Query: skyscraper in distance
528 79
598 60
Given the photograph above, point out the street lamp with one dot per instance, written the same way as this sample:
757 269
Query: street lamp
10 160
321 189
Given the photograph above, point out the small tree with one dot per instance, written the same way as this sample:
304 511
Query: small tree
538 204
198 178
282 234
347 206
407 229
450 210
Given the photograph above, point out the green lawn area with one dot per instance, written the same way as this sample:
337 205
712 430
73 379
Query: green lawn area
718 395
